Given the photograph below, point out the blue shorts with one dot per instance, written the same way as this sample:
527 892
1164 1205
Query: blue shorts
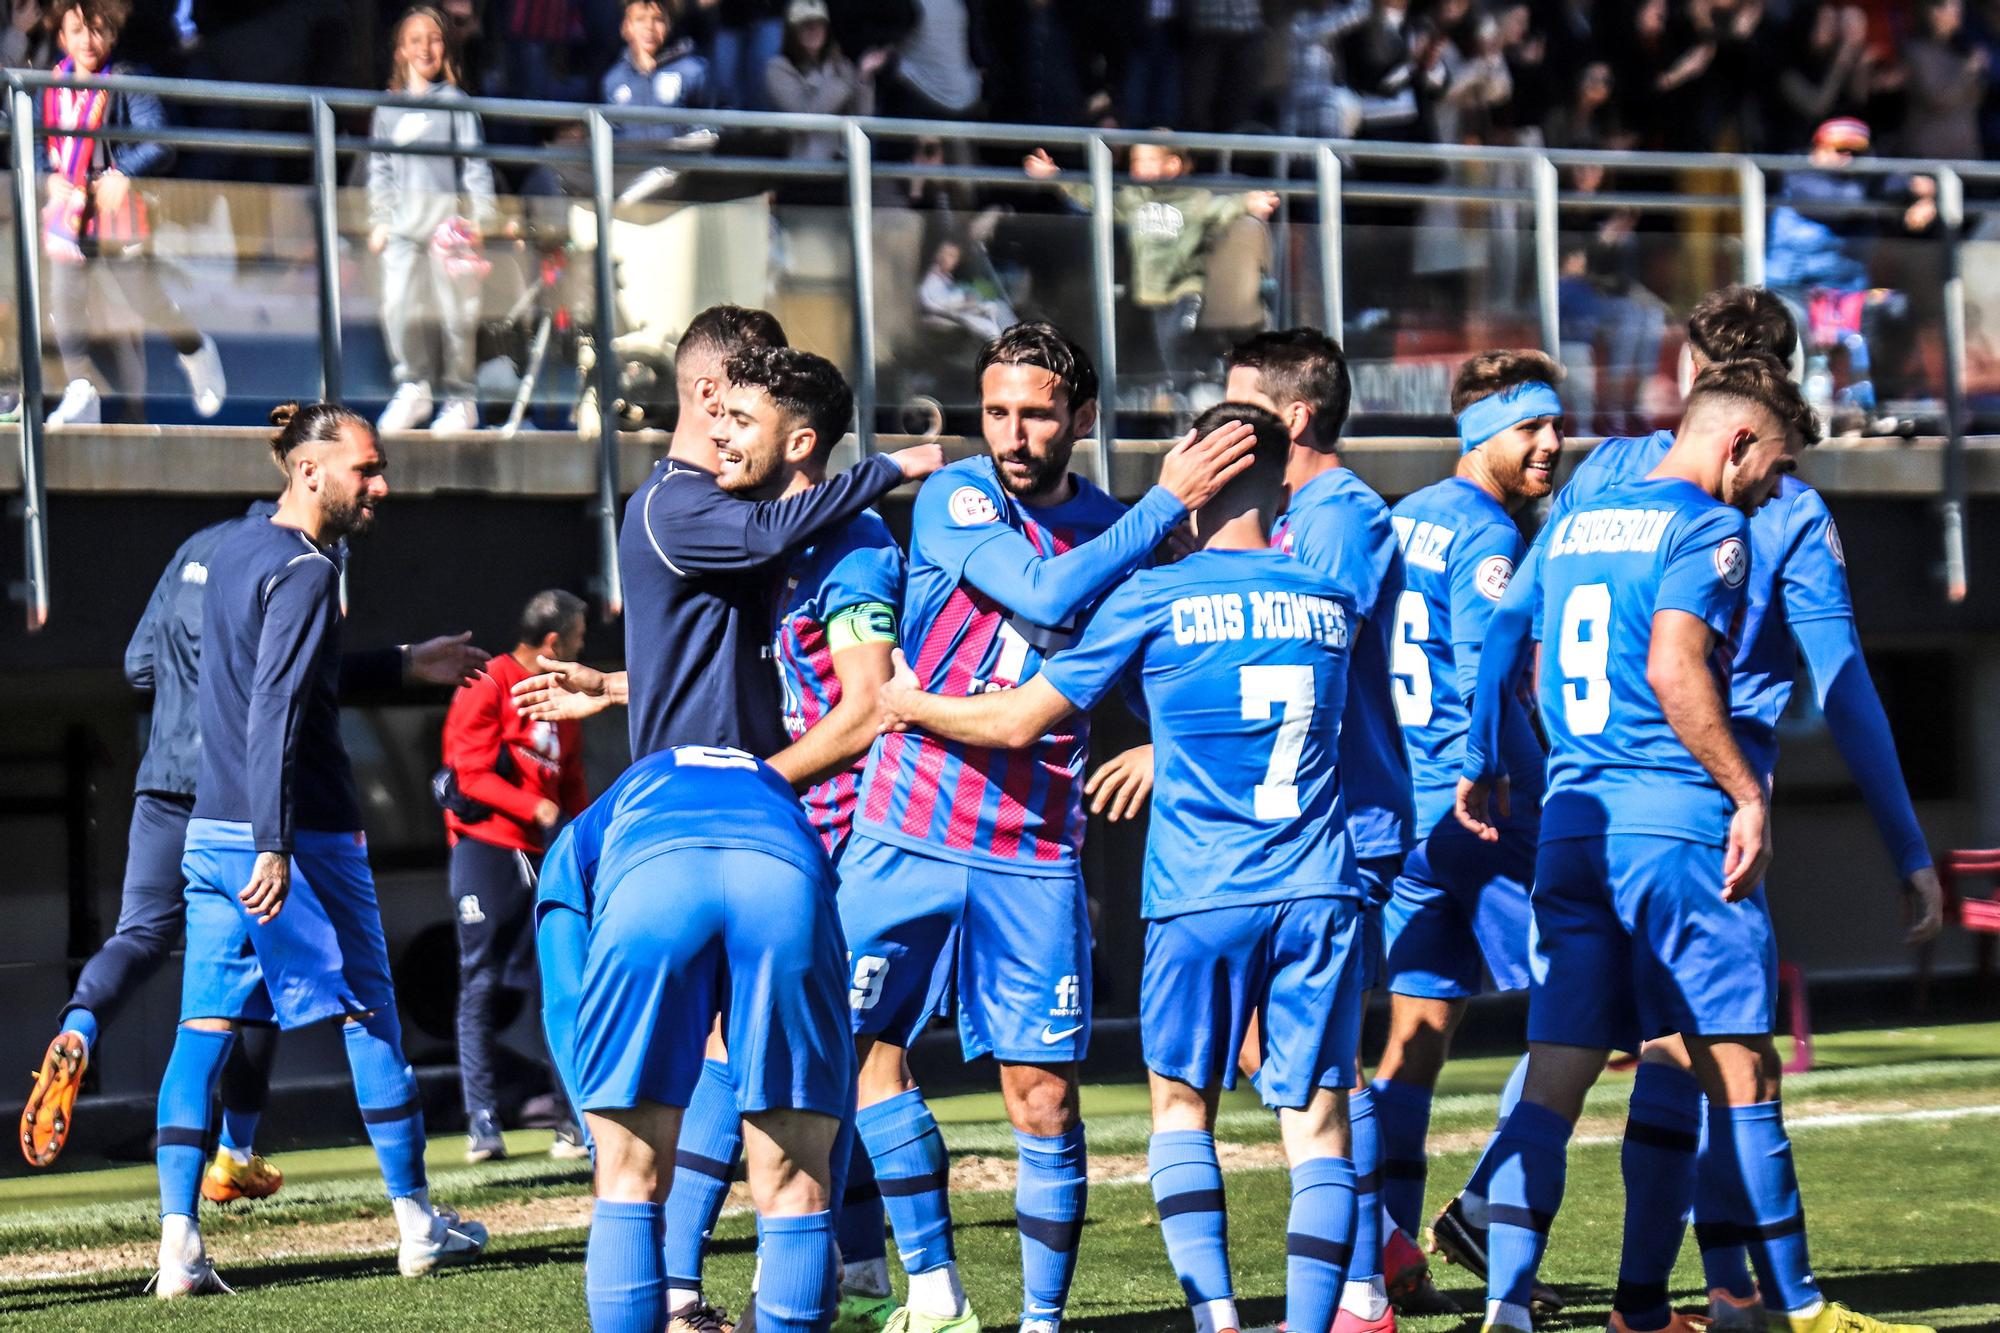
1378 876
695 931
1010 954
1633 941
1460 912
321 957
1295 965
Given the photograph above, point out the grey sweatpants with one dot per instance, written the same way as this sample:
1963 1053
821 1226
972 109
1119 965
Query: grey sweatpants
430 318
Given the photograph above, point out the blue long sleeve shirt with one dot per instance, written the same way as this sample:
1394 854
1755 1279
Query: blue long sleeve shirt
271 753
702 577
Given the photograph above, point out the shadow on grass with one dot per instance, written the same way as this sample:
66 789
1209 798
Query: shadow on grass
72 1293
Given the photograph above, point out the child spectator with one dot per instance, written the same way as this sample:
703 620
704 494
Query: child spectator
943 297
658 69
811 73
432 263
1170 229
95 213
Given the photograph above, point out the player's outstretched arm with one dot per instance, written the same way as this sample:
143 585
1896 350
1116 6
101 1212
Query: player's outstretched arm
836 741
1049 590
1002 720
698 528
568 692
1695 707
1846 693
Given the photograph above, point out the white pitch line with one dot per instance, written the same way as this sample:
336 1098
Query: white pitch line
1840 1120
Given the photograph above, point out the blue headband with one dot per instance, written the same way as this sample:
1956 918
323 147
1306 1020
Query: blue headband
1510 407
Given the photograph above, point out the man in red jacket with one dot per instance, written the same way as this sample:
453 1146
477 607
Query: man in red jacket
516 781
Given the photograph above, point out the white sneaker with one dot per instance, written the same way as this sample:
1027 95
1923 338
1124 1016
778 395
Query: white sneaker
80 406
433 1237
410 408
205 378
185 1269
458 416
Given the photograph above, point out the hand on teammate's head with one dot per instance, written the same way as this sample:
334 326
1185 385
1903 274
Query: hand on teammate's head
1195 470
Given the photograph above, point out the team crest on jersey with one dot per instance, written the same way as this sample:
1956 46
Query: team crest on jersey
969 507
1494 574
1732 562
1833 545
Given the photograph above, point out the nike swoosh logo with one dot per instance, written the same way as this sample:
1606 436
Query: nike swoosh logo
1050 1038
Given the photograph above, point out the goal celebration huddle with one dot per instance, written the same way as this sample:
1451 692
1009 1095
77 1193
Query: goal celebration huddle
1396 750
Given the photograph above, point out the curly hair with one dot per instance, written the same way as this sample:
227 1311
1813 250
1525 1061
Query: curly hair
807 389
1739 321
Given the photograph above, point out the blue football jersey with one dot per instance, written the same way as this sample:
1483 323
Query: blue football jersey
1340 527
1243 658
1460 547
1798 572
683 796
1608 564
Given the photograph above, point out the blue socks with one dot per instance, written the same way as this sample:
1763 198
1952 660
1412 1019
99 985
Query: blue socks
1725 1262
705 1157
193 1070
1367 1261
862 1226
239 1129
1480 1182
1763 1197
1187 1191
913 1174
1048 1208
624 1281
1530 1162
1662 1130
795 1290
1319 1240
82 1022
1402 1123
390 1107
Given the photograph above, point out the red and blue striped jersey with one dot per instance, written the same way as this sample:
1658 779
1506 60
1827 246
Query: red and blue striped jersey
855 572
994 588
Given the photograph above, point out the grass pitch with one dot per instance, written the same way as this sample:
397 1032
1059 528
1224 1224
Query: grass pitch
1898 1137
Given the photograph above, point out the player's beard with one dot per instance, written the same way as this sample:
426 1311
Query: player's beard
1042 474
347 514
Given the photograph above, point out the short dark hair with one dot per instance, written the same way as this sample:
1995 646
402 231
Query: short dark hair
1259 484
1038 343
315 423
721 331
1760 380
548 612
111 15
1300 365
1738 321
809 390
1487 373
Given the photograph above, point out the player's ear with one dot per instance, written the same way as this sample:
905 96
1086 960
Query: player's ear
1298 417
1085 418
799 445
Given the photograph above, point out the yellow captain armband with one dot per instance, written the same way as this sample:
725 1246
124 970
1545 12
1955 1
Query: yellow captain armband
867 622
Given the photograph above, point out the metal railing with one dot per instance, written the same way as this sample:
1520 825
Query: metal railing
1316 173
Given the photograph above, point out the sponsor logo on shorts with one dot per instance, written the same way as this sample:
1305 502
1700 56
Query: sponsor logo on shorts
1494 574
1050 1036
969 507
1069 998
469 911
1732 562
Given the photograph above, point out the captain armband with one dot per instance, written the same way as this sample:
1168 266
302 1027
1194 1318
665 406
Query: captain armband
866 622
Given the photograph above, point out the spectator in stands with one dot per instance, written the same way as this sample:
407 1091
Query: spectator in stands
745 36
1824 74
95 224
429 216
659 69
1317 100
1589 119
1219 63
1662 68
1150 93
1947 84
1170 230
29 39
811 73
934 75
510 783
541 41
1386 59
945 298
1033 73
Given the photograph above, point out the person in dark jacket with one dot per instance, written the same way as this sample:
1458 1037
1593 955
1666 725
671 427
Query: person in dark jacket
95 223
164 659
